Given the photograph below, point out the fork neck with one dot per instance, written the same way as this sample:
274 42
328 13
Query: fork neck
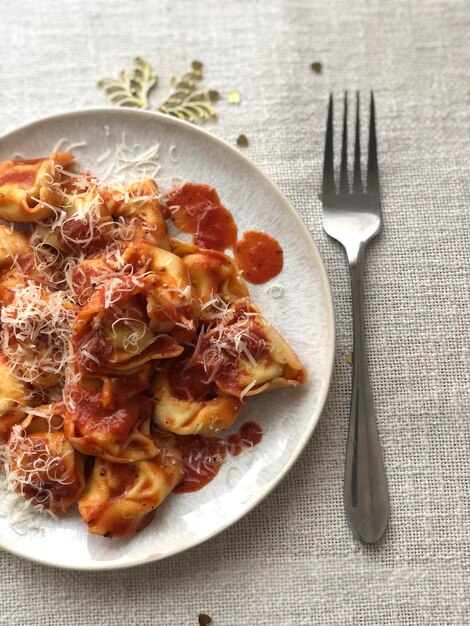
355 256
356 271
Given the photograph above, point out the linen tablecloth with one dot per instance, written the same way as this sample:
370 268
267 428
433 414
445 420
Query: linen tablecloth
293 561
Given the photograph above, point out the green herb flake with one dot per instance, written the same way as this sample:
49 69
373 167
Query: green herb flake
214 96
317 67
349 358
204 619
242 141
234 97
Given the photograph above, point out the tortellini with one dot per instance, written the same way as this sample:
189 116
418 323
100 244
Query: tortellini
112 332
16 263
35 334
85 222
139 206
171 299
121 499
13 397
213 274
14 245
123 349
30 188
105 420
46 468
186 404
244 355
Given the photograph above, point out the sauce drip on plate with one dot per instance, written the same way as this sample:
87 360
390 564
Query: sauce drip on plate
250 435
259 256
203 456
196 209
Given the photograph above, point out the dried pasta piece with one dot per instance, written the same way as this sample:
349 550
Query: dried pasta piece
30 189
121 499
186 404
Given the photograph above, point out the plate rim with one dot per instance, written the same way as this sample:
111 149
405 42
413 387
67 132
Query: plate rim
330 321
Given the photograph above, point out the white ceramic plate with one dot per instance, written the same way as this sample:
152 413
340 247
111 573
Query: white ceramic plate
303 314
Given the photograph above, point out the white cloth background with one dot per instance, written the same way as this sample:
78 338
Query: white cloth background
293 561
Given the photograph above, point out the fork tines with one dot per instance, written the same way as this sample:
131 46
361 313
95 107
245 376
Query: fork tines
329 187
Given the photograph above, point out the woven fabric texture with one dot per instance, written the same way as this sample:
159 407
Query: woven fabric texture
293 561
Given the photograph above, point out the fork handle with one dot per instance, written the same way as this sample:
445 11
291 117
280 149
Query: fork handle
365 483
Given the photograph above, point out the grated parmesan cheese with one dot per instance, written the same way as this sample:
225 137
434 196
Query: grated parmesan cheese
35 333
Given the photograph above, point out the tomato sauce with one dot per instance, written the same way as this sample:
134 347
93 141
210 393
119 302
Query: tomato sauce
191 384
90 415
249 436
22 177
84 278
203 456
77 234
201 213
120 477
259 256
117 390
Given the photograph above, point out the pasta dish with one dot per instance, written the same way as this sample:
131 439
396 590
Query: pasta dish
124 348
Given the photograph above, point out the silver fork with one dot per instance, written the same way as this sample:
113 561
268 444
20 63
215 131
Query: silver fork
353 218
